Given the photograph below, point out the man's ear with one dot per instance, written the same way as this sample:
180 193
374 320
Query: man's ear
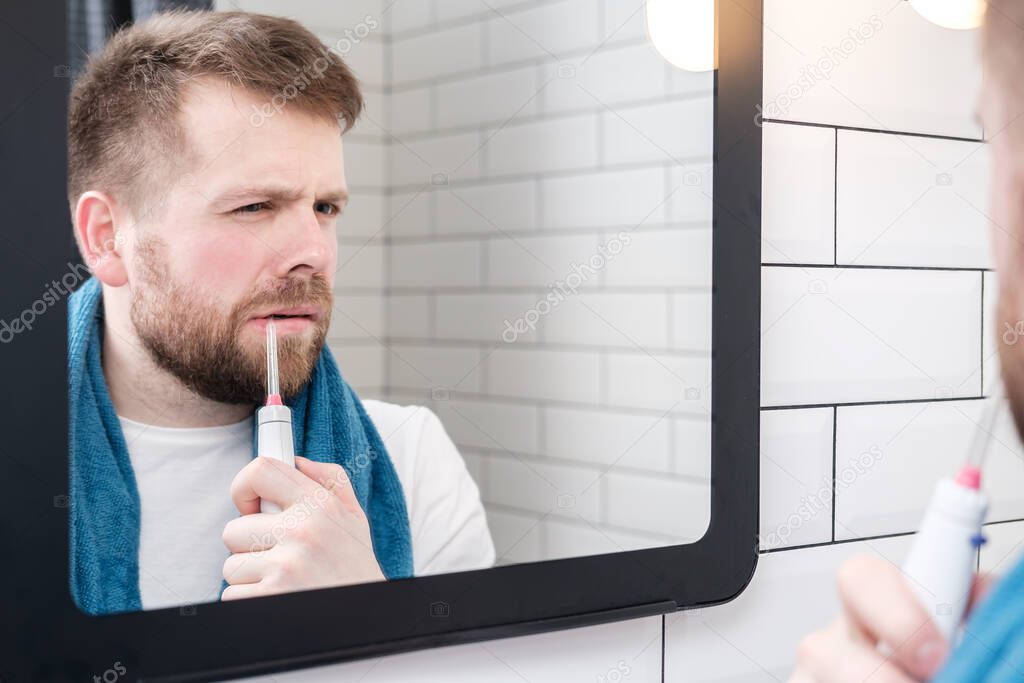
100 238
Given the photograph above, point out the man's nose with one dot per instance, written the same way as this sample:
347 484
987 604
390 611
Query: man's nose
306 244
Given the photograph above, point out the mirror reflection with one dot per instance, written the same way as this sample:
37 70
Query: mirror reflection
381 290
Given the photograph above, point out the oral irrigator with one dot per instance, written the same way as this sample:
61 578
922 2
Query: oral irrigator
943 558
274 420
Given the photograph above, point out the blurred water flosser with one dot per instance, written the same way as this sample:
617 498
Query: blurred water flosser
942 561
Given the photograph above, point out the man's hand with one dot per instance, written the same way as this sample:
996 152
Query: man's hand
320 538
879 607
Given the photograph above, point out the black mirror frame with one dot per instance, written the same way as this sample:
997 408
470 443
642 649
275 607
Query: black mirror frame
43 636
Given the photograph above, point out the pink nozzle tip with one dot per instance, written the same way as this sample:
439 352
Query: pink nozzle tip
969 477
274 400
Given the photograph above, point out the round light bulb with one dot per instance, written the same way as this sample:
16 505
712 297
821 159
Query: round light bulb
956 14
683 32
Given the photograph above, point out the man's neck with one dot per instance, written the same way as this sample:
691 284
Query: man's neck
143 392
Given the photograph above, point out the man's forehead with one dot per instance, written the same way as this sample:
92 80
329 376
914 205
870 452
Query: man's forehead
231 154
198 95
217 115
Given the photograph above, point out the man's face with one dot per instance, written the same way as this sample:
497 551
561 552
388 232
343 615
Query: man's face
1004 127
247 232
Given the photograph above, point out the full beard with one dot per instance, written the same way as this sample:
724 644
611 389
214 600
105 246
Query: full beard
192 339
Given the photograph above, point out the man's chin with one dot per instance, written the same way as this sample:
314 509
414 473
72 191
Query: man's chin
296 359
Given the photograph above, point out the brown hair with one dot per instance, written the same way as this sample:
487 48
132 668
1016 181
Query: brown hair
123 126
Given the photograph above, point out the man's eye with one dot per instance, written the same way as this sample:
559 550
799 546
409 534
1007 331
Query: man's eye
328 208
251 208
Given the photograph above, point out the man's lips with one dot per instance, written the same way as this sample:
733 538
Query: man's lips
288 320
311 312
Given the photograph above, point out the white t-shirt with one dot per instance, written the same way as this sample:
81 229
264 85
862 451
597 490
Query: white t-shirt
184 478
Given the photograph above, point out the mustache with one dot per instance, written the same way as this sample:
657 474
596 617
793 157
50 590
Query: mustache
312 291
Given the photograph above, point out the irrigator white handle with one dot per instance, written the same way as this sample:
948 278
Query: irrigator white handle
274 440
942 561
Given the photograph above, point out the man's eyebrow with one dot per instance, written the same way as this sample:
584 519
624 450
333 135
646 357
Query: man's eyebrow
275 193
339 196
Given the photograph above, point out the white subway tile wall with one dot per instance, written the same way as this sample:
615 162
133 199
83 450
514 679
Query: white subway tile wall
898 451
798 194
878 340
753 639
911 201
865 334
993 333
545 165
796 477
877 337
866 65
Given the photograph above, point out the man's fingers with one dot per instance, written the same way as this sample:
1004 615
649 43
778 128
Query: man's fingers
267 478
249 533
831 656
242 591
880 602
333 478
242 568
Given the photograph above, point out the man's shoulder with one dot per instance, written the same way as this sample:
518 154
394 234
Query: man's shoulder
410 433
446 516
395 419
426 460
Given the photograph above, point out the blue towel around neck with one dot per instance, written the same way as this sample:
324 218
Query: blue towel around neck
329 424
992 647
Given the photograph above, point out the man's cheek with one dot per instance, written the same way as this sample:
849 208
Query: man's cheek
225 266
332 264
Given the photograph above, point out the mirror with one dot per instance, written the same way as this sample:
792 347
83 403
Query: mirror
508 257
542 213
546 304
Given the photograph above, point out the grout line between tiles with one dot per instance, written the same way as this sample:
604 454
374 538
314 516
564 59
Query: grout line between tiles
835 200
835 422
